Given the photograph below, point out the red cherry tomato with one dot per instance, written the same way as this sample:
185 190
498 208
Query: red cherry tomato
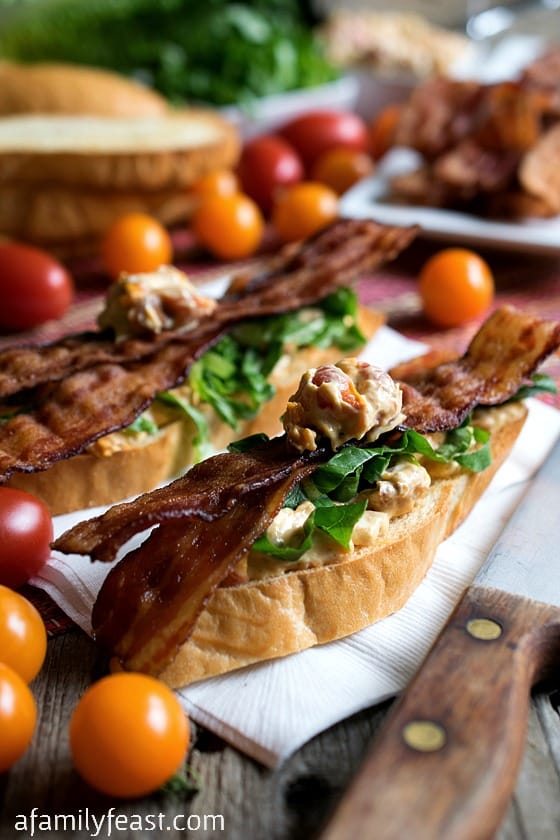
34 287
455 286
26 532
23 638
315 132
267 163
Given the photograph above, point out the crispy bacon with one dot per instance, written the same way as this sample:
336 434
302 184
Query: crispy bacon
209 518
106 395
474 140
506 350
208 490
295 278
188 559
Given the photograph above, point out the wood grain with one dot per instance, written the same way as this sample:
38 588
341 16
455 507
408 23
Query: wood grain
290 803
472 695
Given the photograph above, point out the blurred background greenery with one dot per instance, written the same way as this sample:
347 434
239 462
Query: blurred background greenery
190 50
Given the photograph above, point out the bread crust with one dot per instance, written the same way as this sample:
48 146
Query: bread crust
53 216
89 479
120 154
277 616
53 88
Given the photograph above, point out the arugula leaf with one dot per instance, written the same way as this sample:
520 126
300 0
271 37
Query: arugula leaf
334 486
337 521
142 424
541 383
247 443
201 440
232 376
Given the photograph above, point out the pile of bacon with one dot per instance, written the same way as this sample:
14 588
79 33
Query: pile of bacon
493 150
207 520
60 397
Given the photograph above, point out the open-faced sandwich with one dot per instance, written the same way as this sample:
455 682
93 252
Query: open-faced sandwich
97 417
289 542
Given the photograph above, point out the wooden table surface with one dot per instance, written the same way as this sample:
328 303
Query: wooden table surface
294 800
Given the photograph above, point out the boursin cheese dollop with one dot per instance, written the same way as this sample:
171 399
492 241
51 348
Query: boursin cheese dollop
148 304
351 400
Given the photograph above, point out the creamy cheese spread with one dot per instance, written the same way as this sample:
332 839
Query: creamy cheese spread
351 400
148 304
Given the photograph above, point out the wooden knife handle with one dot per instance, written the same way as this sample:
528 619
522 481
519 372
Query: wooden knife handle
445 763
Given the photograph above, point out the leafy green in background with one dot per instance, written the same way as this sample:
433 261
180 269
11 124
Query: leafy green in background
210 50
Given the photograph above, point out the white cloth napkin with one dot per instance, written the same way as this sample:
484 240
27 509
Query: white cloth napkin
269 710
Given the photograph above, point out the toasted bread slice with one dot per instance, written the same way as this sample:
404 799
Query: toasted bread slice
285 613
121 466
116 153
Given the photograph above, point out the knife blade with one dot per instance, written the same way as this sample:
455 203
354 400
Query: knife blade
445 763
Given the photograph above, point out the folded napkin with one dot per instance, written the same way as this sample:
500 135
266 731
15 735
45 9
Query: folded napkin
269 710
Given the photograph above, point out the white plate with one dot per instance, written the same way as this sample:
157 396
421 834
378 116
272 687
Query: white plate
370 199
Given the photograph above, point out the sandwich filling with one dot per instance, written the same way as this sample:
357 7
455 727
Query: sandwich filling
69 393
224 507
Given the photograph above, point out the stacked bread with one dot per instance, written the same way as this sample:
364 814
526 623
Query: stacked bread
80 146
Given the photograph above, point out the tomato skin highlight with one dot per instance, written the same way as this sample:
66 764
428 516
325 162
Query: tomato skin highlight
128 735
26 531
267 163
231 227
314 132
455 285
18 715
135 243
23 638
34 287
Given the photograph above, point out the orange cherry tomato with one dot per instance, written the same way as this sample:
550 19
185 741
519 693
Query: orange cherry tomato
135 243
302 210
382 130
18 715
218 182
23 638
128 735
455 285
340 168
230 226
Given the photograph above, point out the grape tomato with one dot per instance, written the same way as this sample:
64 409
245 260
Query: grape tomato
34 287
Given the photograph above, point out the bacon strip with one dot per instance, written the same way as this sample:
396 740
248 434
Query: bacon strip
330 259
209 518
509 346
208 490
172 589
104 397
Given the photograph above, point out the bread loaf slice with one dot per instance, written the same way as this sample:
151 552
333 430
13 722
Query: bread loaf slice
61 218
51 88
116 154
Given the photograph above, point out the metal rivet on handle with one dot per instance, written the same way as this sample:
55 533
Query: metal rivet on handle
424 735
484 628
